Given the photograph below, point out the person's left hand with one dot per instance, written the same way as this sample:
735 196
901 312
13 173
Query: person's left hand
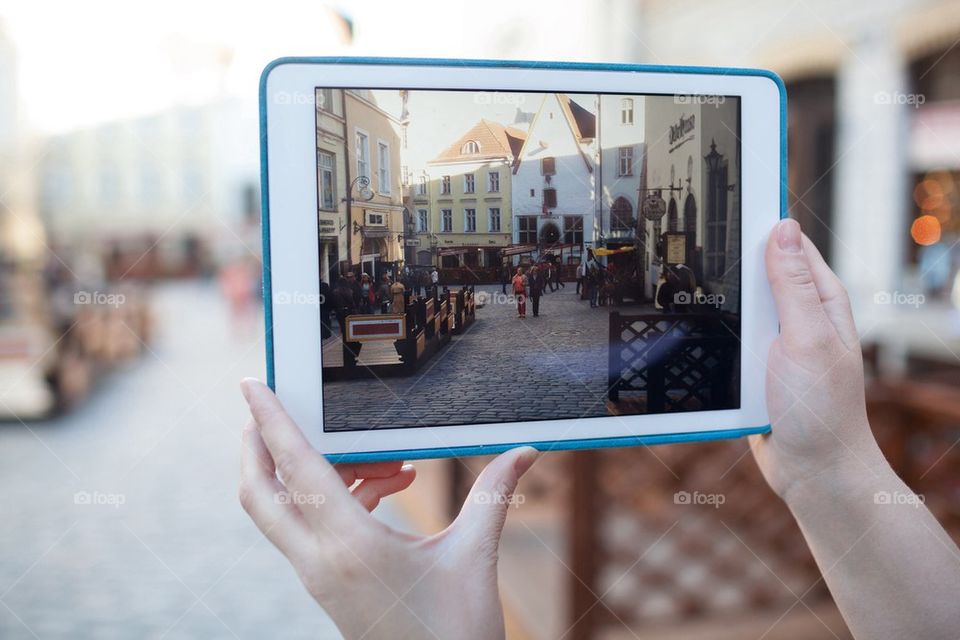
375 582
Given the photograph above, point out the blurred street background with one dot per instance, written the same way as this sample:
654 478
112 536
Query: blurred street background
130 310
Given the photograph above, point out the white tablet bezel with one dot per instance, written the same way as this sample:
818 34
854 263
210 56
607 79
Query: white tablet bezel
290 197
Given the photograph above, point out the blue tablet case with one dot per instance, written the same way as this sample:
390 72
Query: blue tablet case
480 449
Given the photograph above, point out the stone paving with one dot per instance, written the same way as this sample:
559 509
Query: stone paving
500 369
162 549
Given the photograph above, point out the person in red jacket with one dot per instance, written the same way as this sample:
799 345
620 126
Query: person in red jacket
520 290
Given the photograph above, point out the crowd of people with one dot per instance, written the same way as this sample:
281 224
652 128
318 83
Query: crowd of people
354 293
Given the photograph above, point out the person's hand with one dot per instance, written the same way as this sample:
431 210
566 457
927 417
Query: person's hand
815 390
375 582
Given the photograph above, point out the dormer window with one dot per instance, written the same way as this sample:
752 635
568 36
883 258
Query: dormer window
470 147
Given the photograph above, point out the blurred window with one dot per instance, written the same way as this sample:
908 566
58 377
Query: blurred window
493 184
445 185
493 214
328 182
383 165
527 229
469 220
446 220
362 143
468 183
625 165
626 111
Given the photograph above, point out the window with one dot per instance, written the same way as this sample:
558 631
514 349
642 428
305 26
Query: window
573 230
469 220
621 215
548 166
470 147
375 219
626 111
383 163
468 183
446 220
533 193
405 175
422 186
325 101
716 250
493 181
527 227
422 220
363 154
445 185
549 198
328 193
493 216
625 165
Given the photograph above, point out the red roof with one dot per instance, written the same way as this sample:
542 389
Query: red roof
494 139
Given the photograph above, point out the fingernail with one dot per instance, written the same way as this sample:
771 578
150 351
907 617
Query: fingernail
525 460
245 387
788 236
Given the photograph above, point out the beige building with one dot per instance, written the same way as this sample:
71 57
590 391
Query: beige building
462 204
331 173
371 185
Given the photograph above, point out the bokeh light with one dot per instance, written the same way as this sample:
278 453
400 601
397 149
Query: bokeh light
925 230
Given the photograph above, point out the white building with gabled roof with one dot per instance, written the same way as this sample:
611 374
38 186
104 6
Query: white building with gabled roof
554 177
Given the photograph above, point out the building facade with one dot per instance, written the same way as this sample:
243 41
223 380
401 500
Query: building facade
554 179
373 198
621 135
462 202
693 163
331 180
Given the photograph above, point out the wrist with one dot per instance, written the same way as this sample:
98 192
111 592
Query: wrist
848 483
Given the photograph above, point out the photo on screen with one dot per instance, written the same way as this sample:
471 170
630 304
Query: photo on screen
491 257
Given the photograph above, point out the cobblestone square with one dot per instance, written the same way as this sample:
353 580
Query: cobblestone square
501 369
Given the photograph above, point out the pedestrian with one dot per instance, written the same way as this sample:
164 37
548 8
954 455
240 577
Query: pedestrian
344 300
383 294
537 284
397 291
581 274
435 279
504 277
557 277
594 281
367 293
520 291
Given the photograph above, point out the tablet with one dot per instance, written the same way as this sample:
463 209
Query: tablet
461 256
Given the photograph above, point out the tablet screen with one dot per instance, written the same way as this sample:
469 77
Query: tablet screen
490 256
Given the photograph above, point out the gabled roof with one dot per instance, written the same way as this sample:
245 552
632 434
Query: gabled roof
495 140
582 123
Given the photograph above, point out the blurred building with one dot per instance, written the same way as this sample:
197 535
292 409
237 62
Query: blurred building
171 191
874 123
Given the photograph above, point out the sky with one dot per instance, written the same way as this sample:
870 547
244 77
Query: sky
84 63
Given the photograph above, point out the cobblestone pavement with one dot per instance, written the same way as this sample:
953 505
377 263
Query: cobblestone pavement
500 369
168 552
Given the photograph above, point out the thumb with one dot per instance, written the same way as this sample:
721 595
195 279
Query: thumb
485 509
803 321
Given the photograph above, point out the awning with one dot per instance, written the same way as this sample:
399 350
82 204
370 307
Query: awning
611 252
517 249
456 251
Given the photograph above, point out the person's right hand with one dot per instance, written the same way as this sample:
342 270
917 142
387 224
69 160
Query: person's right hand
374 581
815 390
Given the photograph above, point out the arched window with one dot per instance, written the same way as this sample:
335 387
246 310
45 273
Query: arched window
470 147
621 215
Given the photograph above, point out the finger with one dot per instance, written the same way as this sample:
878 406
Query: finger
833 295
372 490
315 485
261 493
481 519
803 322
350 473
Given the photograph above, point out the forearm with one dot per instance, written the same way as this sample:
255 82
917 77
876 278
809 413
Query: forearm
892 569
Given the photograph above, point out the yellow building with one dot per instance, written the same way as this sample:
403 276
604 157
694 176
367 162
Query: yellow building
374 225
462 213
